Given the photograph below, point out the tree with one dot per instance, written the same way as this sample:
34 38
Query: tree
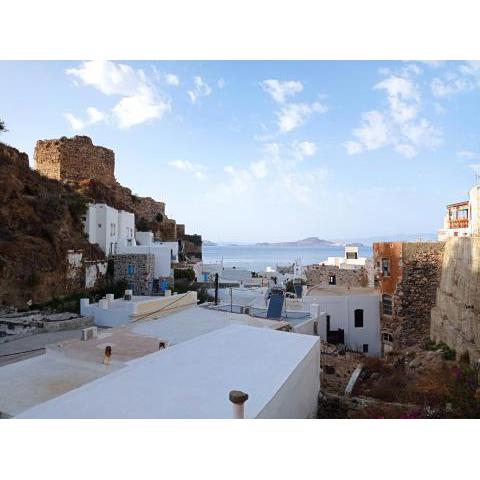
3 127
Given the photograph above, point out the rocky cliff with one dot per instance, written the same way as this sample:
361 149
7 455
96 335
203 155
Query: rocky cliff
40 221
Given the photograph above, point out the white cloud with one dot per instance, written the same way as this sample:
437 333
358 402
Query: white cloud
450 85
76 123
465 78
199 171
466 154
171 79
307 149
280 170
373 131
399 125
93 116
293 115
137 109
259 169
353 147
280 90
140 101
221 83
200 89
403 97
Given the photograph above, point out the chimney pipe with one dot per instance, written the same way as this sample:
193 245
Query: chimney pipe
216 289
238 399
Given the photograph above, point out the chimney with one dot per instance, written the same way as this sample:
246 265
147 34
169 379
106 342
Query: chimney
238 399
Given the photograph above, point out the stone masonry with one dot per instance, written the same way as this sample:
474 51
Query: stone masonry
411 284
320 275
135 269
455 318
75 159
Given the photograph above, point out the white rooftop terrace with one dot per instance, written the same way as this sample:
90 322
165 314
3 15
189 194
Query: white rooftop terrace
279 371
188 323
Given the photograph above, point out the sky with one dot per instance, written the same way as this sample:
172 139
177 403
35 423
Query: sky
252 151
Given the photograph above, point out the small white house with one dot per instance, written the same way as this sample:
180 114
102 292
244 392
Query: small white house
110 228
462 219
114 231
351 259
352 317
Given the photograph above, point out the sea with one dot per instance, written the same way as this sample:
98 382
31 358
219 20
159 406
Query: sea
257 258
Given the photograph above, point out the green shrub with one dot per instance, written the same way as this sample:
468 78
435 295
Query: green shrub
184 274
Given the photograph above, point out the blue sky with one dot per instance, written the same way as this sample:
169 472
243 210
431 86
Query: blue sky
267 151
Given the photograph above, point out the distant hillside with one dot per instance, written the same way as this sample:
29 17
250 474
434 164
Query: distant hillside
208 243
399 237
306 242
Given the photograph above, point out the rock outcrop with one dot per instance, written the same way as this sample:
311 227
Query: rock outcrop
40 222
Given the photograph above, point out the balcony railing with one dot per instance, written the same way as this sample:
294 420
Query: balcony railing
459 223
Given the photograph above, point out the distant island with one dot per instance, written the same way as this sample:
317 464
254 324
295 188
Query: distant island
307 242
208 243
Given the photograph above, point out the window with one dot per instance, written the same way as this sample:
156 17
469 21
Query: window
328 323
131 269
365 348
99 225
358 314
387 304
387 338
113 229
352 255
332 280
455 234
386 267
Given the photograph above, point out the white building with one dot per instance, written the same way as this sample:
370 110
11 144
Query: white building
462 219
114 231
279 371
352 317
350 259
110 228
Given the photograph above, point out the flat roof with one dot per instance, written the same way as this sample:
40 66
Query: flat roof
191 322
190 380
35 380
340 291
458 204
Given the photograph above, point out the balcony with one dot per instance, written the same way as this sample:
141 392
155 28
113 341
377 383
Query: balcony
459 223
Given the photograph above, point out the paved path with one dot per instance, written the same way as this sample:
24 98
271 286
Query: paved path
33 342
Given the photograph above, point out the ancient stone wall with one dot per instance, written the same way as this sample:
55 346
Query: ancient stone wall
415 293
149 209
135 269
455 319
180 230
319 275
75 159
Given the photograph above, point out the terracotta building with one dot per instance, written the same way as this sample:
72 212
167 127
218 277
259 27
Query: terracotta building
407 275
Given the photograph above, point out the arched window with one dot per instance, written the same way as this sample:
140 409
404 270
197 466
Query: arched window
387 304
358 318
